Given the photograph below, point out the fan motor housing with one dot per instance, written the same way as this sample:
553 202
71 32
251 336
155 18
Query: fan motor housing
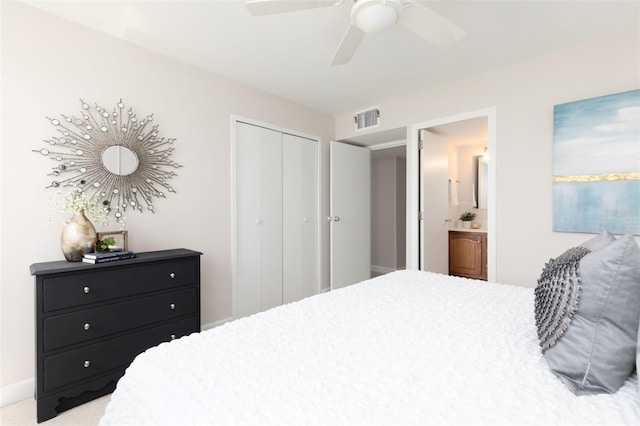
372 16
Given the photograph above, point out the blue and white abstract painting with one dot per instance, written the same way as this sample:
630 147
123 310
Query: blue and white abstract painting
596 165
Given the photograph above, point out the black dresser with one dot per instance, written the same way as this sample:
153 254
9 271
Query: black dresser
92 320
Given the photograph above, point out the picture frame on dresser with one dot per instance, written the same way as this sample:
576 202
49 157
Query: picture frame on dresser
91 321
121 238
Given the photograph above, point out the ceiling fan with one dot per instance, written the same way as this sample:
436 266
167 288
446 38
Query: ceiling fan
370 16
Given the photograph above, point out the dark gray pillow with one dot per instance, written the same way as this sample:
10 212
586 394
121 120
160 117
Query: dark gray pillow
597 352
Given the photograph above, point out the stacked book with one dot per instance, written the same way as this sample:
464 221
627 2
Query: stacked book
108 256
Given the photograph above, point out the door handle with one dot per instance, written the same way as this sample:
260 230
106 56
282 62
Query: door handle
334 219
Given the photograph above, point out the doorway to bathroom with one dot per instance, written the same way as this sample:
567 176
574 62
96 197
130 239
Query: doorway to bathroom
451 165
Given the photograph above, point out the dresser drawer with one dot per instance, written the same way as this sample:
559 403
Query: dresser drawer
92 286
78 364
77 327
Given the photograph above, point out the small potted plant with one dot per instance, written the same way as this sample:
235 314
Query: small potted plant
102 246
466 219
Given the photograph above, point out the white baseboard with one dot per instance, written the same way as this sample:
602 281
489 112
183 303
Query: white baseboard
382 269
15 392
215 324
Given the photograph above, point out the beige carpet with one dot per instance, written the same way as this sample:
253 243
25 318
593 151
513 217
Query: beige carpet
23 413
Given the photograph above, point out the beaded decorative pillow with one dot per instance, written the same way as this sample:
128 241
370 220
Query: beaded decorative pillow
587 310
557 296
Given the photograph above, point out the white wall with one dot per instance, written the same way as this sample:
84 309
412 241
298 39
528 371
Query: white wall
524 95
47 65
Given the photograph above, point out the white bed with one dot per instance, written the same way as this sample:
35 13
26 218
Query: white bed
406 348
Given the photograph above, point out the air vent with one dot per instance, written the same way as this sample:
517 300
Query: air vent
367 119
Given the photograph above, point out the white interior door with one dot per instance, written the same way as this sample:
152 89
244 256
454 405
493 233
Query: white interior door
434 203
259 219
350 186
299 218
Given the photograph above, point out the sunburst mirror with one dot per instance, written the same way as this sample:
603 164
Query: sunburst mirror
113 156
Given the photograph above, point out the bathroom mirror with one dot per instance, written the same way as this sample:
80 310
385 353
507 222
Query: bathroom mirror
481 175
111 154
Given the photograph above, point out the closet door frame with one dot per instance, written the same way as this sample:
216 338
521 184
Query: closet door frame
234 261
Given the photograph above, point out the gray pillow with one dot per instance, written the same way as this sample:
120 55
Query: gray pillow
558 291
557 296
597 353
638 360
602 240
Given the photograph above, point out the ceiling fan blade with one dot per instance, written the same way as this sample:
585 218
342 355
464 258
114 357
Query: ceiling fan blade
431 26
270 7
348 46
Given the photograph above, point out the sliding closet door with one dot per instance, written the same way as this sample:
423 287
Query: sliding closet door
259 218
300 217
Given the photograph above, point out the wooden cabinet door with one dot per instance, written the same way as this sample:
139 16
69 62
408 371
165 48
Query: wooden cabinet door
466 254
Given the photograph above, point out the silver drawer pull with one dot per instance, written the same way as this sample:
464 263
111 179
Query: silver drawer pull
173 337
86 290
87 364
87 326
172 306
172 275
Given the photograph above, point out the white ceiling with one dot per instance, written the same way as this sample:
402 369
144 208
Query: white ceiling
288 54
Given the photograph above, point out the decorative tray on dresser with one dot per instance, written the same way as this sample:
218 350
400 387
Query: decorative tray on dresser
92 320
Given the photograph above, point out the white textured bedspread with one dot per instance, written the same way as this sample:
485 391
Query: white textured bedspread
407 348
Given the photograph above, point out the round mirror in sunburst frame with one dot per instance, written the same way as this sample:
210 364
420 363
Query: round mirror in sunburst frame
113 156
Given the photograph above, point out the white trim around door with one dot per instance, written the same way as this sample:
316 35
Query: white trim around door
413 176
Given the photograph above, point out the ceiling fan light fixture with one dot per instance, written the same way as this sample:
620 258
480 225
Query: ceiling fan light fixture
372 16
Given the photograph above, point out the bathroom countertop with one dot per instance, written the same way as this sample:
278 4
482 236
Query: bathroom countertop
480 230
